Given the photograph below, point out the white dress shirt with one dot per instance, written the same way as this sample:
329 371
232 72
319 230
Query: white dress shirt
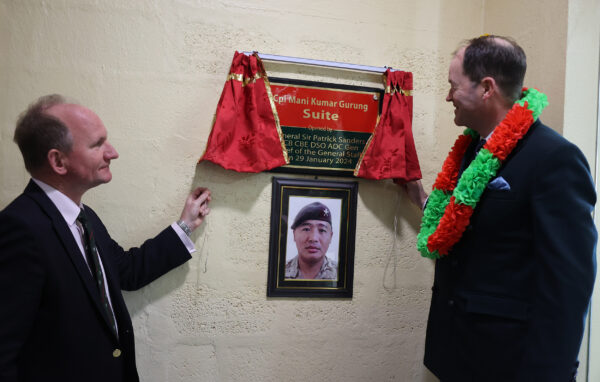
70 211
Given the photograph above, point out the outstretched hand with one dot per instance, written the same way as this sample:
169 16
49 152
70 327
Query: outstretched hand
196 207
416 193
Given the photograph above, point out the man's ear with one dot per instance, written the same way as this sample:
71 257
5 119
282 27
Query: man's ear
57 161
489 87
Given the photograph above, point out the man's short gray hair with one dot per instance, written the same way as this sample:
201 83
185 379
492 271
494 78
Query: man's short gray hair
37 132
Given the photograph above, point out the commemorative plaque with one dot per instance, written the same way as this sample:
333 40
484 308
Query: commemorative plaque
325 126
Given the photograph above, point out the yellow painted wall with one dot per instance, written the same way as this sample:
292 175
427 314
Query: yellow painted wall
154 71
540 27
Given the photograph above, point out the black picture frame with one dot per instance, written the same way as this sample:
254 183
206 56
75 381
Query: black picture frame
288 198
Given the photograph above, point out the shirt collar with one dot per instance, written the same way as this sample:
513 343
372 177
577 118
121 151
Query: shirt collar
488 136
67 208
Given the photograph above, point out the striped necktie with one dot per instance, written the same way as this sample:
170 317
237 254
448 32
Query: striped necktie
91 252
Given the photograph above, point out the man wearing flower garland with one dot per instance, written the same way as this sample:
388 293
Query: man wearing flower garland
511 228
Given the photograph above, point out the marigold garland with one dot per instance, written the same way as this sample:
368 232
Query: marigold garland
452 201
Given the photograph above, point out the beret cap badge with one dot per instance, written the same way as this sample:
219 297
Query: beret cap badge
312 211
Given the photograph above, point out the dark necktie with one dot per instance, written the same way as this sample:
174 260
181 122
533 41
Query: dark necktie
91 253
477 148
472 155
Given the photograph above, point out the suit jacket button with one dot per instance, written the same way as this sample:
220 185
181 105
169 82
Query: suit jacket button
450 302
117 353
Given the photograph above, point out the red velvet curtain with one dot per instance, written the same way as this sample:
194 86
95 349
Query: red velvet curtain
390 152
246 136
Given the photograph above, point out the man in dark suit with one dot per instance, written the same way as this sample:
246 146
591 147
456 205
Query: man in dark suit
63 316
510 297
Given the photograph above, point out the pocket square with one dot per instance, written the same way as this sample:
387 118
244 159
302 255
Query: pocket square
499 184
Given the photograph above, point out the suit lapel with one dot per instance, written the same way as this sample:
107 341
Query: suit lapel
519 146
70 245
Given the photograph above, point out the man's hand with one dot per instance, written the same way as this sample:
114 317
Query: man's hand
196 208
416 193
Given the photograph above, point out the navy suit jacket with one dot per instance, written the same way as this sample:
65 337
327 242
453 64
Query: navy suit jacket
510 299
51 325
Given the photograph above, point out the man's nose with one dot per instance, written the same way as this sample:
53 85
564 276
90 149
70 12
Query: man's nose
111 152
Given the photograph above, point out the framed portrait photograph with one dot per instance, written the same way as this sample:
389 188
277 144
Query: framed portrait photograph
311 249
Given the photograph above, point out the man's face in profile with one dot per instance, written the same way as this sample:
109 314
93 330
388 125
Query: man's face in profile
88 162
312 239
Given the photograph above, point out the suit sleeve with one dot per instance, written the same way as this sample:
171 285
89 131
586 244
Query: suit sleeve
139 266
564 246
21 282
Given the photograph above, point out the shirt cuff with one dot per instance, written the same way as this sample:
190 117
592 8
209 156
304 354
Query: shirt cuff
185 239
425 203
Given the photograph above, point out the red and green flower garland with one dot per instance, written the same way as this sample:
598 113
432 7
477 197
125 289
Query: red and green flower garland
452 201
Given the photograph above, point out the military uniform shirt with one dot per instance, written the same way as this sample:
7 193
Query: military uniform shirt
328 270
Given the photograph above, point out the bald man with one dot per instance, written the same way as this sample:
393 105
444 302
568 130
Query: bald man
63 316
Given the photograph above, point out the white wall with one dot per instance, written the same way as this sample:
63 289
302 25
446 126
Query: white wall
154 70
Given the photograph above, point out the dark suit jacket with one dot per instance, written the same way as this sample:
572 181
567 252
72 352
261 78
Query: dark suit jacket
51 325
509 300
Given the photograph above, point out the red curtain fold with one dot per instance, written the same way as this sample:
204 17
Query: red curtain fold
390 152
246 136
